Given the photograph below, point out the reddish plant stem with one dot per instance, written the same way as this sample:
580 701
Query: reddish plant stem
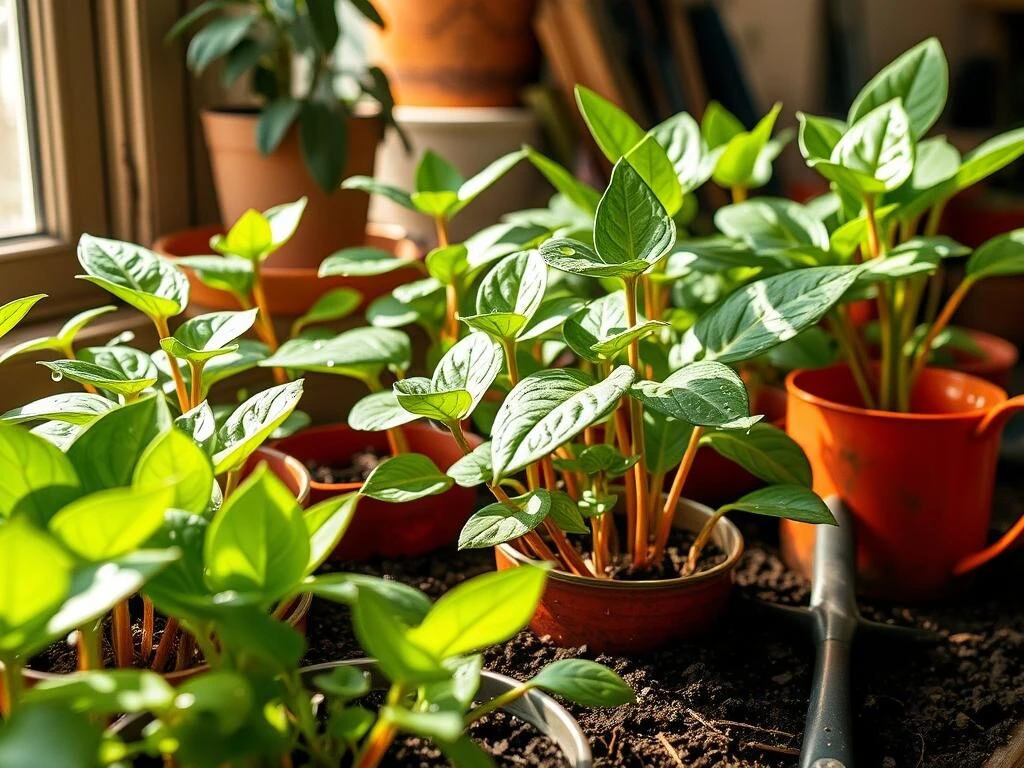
639 530
147 627
124 648
186 650
179 381
165 646
675 492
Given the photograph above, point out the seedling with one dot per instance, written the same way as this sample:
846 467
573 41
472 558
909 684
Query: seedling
263 40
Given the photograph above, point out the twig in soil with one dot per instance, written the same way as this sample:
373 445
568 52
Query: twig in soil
770 748
751 726
707 724
671 750
920 760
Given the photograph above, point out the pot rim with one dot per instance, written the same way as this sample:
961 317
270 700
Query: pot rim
463 117
725 531
362 109
1005 353
294 466
998 395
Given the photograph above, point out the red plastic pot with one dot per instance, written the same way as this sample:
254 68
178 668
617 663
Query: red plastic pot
612 616
293 290
919 485
379 528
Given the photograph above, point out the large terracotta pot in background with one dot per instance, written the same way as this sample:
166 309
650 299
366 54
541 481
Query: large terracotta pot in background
291 291
611 616
379 528
458 53
244 178
919 485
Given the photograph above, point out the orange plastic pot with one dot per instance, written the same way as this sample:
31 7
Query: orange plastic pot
458 53
380 528
293 290
635 616
288 469
244 178
994 362
919 484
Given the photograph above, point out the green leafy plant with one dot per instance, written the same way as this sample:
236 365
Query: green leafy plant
265 39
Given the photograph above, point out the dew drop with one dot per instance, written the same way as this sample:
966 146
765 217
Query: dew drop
56 375
330 363
318 345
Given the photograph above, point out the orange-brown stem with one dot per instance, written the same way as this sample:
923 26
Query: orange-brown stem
179 381
186 650
924 351
165 646
569 555
147 627
668 513
639 530
124 648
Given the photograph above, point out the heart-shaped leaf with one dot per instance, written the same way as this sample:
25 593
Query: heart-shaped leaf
498 523
418 397
378 412
547 409
764 451
1002 255
584 682
448 264
875 155
615 132
134 274
333 305
362 353
509 295
38 478
706 394
771 224
202 338
631 225
767 312
249 238
173 460
460 380
406 477
108 524
793 502
252 423
435 174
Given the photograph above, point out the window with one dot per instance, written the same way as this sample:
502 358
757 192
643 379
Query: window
19 210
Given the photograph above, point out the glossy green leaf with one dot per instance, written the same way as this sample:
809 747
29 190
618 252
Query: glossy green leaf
343 683
875 155
12 312
199 424
382 633
38 478
615 132
613 346
1002 255
173 460
497 523
510 295
323 140
680 137
326 523
378 412
818 136
550 316
27 738
216 39
107 692
737 164
373 187
362 353
252 423
361 262
649 159
122 362
70 407
771 224
706 394
409 604
419 398
205 337
275 119
98 376
107 524
547 409
919 77
464 619
333 305
447 264
248 238
470 189
474 468
565 513
665 441
258 541
990 156
762 314
631 225
718 125
134 274
406 477
580 193
584 682
435 174
225 273
765 451
460 380
793 502
601 319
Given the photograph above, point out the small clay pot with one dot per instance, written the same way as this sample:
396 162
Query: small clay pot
290 471
611 616
379 528
291 291
458 53
244 178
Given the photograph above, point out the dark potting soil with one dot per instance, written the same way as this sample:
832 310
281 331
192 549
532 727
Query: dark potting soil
738 697
672 562
356 471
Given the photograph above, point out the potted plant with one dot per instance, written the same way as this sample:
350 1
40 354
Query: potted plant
570 440
897 439
458 53
255 706
309 128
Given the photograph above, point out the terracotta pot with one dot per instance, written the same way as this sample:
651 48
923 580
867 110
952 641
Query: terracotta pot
293 290
245 179
635 616
995 363
288 469
919 485
379 528
458 53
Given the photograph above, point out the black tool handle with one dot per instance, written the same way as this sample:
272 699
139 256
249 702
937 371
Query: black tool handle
828 732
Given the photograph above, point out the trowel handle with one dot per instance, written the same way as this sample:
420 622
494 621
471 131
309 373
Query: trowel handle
828 732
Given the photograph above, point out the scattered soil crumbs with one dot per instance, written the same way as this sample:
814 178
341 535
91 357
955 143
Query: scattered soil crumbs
672 562
356 471
738 698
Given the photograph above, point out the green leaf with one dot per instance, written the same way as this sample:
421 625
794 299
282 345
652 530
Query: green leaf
199 424
648 158
373 187
258 541
107 524
680 137
772 224
818 136
205 337
442 726
990 156
435 174
12 312
135 275
284 220
323 139
615 132
378 412
343 683
665 441
470 189
919 77
460 381
216 39
438 205
409 604
38 478
98 376
875 155
333 305
326 523
107 692
631 225
249 238
173 460
447 264
737 164
417 396
584 682
274 121
70 407
510 295
706 394
363 353
792 502
324 21
252 423
27 739
579 258
601 319
406 477
580 193
224 273
122 363
466 753
719 125
547 409
565 513
762 314
474 468
35 575
1002 255
481 612
497 523
765 452
105 454
611 347
383 634
361 262
550 316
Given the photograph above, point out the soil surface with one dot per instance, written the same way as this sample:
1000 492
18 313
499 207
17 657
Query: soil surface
356 471
738 698
672 562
